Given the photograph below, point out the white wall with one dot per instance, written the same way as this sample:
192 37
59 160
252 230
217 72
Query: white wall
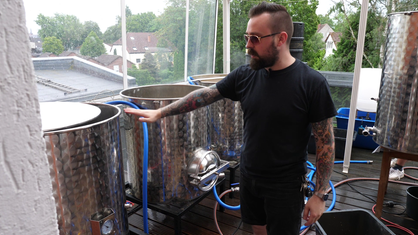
26 201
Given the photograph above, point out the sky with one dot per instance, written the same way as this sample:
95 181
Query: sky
102 12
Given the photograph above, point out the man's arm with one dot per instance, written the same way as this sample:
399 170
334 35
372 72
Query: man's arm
190 102
324 138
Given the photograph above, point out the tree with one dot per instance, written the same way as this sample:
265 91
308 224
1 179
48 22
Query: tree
89 26
112 34
345 55
92 46
144 22
52 45
315 51
67 28
150 64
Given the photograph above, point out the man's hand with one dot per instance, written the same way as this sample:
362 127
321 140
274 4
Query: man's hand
145 115
314 209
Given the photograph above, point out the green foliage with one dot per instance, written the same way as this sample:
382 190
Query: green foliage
144 22
67 28
143 77
92 46
314 51
345 56
150 64
112 34
341 96
90 26
52 45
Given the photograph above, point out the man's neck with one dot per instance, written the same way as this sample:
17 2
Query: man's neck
285 60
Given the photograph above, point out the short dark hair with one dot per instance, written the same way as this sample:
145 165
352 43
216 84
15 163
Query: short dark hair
280 19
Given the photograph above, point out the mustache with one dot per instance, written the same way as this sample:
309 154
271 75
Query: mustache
252 52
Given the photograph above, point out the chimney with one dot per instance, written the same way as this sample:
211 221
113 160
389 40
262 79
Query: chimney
149 38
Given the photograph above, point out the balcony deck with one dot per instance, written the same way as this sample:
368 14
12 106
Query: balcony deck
359 194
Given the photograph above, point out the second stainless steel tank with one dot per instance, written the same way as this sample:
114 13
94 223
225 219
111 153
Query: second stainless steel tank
180 165
225 124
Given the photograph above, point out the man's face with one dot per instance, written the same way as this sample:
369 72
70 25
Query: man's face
263 53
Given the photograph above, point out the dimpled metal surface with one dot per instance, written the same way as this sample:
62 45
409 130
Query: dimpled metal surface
171 144
397 110
226 124
86 170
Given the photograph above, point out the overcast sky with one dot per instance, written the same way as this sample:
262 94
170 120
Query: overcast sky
102 12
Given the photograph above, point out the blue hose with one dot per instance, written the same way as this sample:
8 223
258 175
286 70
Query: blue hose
190 80
310 176
234 208
144 164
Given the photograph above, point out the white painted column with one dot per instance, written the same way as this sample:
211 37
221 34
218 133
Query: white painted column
26 201
226 37
354 90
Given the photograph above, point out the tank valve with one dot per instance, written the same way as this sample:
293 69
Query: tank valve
370 131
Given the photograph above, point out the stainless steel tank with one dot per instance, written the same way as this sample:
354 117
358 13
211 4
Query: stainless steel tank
86 170
396 125
226 122
180 165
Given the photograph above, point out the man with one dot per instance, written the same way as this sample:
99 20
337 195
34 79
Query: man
281 98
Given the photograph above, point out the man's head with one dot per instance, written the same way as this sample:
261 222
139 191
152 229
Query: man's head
268 33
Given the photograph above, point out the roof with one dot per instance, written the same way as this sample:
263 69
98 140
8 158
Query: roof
320 26
75 79
106 59
336 37
140 43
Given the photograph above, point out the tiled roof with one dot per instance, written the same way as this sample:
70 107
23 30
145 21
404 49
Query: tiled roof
106 59
140 42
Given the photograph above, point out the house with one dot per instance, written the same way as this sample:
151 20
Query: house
324 29
331 43
35 45
114 62
108 48
68 53
137 44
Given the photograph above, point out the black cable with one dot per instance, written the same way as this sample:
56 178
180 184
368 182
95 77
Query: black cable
389 204
239 225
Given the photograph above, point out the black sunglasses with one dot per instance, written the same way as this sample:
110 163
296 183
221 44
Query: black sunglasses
256 39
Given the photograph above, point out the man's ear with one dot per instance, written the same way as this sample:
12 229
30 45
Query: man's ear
282 39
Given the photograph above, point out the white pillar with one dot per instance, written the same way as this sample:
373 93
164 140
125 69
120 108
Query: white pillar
354 90
26 201
226 37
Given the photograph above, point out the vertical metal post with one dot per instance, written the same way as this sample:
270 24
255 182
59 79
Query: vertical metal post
215 34
354 90
124 51
186 41
226 37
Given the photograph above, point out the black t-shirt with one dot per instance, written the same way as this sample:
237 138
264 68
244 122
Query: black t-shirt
278 109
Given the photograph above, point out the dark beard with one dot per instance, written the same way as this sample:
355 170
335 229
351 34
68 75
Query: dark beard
268 61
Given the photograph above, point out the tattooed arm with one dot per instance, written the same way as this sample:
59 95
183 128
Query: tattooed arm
324 138
190 102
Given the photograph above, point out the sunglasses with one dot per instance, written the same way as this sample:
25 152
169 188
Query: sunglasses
256 39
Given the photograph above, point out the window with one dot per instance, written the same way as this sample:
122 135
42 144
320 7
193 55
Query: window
138 61
116 68
134 49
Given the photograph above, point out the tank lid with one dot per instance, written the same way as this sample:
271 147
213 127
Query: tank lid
60 115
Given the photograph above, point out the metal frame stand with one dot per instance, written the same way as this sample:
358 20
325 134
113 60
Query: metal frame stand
177 211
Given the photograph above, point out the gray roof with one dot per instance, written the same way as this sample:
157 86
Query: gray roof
75 79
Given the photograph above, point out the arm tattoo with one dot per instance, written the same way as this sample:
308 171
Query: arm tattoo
192 101
325 154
